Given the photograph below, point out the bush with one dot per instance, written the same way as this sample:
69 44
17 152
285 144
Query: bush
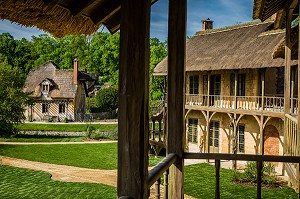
106 100
250 173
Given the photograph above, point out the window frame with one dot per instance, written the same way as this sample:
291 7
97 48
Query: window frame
194 85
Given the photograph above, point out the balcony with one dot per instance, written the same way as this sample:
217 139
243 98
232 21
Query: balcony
243 103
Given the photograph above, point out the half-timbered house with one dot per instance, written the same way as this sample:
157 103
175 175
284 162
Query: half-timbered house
234 90
59 95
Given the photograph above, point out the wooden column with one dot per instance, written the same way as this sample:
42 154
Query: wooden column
235 88
298 118
262 77
293 72
176 93
208 89
287 78
261 125
133 128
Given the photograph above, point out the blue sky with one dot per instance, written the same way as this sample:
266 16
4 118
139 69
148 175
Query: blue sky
222 12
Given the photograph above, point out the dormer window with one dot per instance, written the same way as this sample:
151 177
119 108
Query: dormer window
46 88
46 85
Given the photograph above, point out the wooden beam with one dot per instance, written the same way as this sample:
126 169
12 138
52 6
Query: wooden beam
78 6
133 118
176 93
113 23
106 11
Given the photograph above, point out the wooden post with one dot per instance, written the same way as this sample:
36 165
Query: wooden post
261 125
262 77
235 88
298 112
208 89
133 128
287 78
292 88
261 133
176 93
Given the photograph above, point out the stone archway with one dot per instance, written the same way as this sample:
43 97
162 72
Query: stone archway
271 140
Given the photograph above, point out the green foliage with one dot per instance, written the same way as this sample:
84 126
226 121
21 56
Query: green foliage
40 138
107 99
250 173
104 56
26 183
158 51
13 100
67 127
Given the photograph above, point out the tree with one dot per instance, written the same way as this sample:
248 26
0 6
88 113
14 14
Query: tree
13 100
107 99
158 51
104 56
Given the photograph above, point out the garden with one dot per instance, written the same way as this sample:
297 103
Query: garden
27 183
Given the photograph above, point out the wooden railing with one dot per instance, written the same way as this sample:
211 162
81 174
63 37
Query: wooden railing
160 169
259 159
163 168
291 136
273 104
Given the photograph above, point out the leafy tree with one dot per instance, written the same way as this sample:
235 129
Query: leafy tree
158 51
13 100
104 56
107 99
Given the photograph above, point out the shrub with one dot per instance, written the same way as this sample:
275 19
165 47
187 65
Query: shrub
250 173
106 99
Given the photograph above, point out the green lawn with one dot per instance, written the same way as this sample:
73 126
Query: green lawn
69 127
30 184
97 156
200 183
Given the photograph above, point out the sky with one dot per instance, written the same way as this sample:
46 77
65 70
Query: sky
222 12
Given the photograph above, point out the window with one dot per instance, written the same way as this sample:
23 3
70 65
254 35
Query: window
193 130
45 108
45 88
194 84
241 138
241 79
214 134
61 108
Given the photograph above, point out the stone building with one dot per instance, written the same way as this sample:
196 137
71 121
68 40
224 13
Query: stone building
234 90
58 95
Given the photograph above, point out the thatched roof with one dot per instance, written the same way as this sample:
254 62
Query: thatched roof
62 79
61 17
237 48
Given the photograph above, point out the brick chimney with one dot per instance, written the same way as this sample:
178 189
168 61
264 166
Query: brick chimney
207 24
75 71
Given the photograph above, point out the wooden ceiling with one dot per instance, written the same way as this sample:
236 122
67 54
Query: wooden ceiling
61 17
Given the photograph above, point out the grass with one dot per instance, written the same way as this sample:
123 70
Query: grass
69 127
34 138
96 156
200 183
26 183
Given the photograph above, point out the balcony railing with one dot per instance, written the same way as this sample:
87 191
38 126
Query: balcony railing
267 103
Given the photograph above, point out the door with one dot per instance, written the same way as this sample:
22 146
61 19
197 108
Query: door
214 137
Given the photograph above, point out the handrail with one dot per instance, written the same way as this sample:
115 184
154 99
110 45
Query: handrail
243 157
291 118
160 168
